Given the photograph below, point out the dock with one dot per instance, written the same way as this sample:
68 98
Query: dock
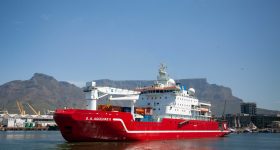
23 129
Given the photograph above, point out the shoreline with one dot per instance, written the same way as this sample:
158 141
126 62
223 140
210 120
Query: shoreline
28 129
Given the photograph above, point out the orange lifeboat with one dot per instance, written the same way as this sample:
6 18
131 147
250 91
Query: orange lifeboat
204 109
140 111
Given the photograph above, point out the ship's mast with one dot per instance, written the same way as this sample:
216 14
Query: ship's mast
163 77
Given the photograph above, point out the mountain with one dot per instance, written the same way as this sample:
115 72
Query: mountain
43 92
262 111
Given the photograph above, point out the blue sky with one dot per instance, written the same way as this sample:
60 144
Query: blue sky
234 43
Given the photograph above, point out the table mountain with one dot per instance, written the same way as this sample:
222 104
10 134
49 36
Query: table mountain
45 92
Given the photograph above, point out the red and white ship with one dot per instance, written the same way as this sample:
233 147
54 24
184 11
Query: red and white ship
162 111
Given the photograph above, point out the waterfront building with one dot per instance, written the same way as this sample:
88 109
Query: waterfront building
241 120
275 124
27 121
249 108
264 121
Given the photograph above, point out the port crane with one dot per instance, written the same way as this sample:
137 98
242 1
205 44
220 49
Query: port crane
34 111
20 108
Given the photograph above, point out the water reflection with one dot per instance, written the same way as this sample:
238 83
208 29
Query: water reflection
93 145
199 144
53 140
171 145
22 135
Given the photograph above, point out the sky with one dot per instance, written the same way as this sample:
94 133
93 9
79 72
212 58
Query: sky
233 43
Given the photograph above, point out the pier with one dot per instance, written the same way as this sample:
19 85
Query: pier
18 122
24 129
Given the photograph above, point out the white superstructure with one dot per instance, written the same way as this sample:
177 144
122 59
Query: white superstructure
165 98
169 100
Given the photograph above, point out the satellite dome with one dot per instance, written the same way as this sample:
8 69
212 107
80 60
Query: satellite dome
191 91
171 82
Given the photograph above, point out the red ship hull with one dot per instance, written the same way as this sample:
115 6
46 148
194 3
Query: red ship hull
89 125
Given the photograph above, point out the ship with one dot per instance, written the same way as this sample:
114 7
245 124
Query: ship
163 111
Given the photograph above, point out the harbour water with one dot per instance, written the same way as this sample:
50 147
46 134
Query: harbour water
29 140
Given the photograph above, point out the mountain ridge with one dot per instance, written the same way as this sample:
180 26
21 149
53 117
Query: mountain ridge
45 92
42 91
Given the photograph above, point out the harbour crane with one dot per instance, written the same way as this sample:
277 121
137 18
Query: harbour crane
20 108
34 111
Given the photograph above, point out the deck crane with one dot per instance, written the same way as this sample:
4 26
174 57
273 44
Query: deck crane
94 93
34 111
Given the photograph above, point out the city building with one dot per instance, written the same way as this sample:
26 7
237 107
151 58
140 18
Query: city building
248 108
